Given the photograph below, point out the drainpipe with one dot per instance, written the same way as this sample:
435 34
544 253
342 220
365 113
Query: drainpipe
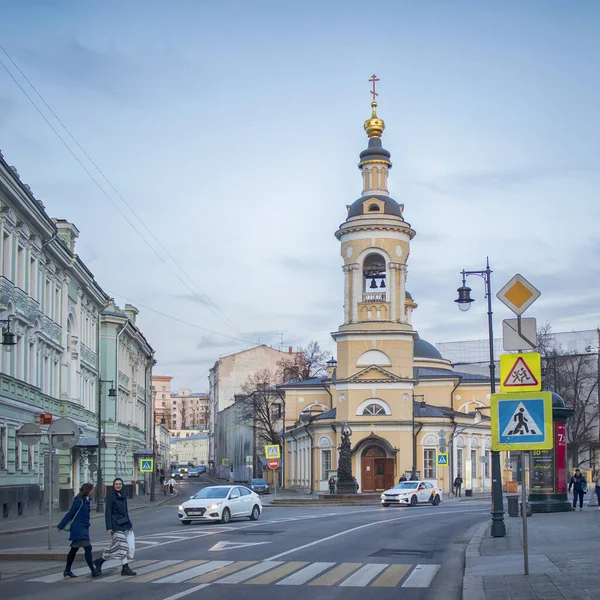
330 396
295 440
451 484
452 393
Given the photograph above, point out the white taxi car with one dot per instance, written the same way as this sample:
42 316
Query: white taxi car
221 503
412 493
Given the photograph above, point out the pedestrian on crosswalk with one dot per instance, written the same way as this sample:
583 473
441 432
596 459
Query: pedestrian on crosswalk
119 527
77 522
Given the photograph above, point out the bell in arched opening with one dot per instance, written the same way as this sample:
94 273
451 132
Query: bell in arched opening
373 284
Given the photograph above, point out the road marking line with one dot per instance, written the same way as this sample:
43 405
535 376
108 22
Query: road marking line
80 571
234 568
147 569
363 576
307 573
156 574
278 573
421 576
392 576
353 529
146 542
336 574
251 572
213 565
186 592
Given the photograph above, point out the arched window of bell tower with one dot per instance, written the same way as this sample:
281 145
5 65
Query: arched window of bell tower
374 277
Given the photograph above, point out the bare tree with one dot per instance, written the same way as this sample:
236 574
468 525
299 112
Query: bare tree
574 377
308 363
183 412
261 406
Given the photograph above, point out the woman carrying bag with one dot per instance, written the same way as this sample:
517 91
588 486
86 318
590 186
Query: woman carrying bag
120 529
77 522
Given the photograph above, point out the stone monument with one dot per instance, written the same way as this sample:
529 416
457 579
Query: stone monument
346 484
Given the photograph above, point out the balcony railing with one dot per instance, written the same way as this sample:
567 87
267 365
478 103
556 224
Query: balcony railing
374 297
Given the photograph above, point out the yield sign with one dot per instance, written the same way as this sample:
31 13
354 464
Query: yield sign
521 372
220 546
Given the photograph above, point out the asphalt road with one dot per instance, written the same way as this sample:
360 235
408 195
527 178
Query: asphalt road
411 553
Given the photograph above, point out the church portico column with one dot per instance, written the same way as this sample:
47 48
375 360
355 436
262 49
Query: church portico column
347 293
397 299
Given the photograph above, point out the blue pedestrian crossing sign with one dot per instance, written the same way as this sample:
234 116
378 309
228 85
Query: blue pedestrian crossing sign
442 459
522 421
146 465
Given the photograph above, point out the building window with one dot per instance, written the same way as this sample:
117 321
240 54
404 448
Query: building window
473 464
429 463
325 464
276 411
21 267
486 465
30 458
6 256
459 461
374 409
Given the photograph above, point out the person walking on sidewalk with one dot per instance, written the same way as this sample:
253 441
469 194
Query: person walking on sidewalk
171 484
579 485
162 482
597 488
119 526
457 485
77 520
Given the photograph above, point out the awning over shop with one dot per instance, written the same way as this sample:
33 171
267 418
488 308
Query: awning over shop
89 442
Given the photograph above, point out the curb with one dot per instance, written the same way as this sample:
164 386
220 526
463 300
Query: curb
472 588
94 516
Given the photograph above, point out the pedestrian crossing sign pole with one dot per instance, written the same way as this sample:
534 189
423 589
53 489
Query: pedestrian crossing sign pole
442 459
273 451
146 465
522 421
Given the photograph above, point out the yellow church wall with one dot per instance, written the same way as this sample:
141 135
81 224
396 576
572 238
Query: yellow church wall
400 352
297 400
469 398
388 245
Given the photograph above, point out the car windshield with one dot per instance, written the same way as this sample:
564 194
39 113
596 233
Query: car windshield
259 482
212 492
407 485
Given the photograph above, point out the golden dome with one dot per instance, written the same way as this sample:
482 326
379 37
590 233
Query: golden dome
374 126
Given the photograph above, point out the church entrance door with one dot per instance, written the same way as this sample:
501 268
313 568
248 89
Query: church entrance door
377 471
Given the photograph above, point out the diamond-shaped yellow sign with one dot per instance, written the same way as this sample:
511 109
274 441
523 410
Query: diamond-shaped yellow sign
518 294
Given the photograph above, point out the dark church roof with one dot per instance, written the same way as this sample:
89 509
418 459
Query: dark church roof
423 349
391 207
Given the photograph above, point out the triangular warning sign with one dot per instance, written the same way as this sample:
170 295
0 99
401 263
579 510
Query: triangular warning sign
520 376
521 423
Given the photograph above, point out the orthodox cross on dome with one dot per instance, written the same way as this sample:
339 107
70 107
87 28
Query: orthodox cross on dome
374 79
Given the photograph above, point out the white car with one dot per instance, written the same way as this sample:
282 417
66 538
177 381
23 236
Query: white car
412 493
221 503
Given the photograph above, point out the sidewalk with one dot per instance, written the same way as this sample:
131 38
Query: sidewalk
38 523
563 559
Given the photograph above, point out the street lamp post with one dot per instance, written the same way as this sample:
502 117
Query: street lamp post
153 477
99 483
464 300
413 474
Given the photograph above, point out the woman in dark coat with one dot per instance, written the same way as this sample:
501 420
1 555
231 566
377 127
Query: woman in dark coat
79 517
118 525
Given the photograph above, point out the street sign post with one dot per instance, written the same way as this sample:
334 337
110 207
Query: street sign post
273 451
522 421
518 294
273 464
519 334
146 465
521 372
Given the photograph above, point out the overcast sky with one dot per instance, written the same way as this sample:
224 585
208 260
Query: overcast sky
233 131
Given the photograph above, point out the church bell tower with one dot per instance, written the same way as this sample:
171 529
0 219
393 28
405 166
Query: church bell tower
375 246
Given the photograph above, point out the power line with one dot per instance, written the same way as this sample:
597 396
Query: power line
207 301
158 312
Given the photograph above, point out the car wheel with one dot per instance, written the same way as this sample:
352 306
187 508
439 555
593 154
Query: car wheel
436 500
186 522
414 501
255 514
386 504
225 516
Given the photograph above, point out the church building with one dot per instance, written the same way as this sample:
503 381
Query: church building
406 406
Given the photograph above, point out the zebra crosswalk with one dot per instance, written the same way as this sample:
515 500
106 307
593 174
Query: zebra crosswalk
270 572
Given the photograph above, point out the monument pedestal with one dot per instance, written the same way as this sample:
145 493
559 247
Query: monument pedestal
347 487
